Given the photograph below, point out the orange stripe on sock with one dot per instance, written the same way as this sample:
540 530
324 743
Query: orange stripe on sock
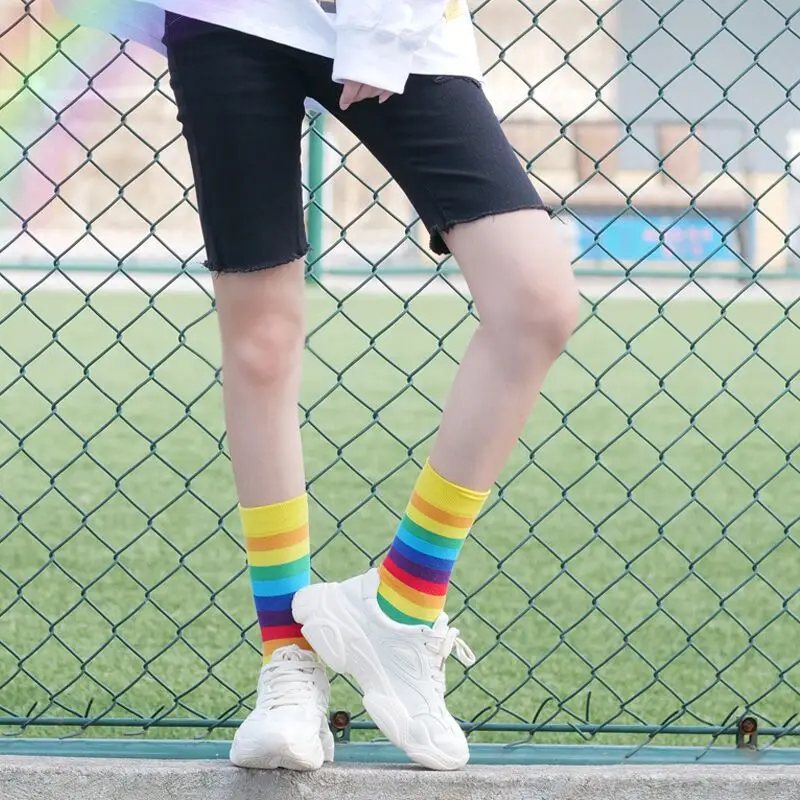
412 595
276 541
436 513
275 644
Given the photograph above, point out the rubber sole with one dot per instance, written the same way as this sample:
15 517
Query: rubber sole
277 762
287 760
325 613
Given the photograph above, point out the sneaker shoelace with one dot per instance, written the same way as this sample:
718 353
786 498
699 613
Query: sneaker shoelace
286 683
441 647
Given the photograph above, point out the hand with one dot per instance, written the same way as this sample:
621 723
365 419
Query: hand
353 92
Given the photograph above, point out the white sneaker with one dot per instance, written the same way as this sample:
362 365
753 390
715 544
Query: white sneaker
400 668
288 727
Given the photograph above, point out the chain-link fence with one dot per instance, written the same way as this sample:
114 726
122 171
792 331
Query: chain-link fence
636 571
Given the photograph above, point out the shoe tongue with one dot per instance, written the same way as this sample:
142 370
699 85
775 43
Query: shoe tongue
441 624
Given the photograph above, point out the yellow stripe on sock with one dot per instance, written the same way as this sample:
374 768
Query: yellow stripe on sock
275 519
273 558
439 492
406 607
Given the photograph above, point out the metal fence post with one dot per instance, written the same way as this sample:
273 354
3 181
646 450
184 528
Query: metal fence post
316 159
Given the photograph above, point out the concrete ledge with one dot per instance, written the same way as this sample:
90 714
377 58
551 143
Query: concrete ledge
32 778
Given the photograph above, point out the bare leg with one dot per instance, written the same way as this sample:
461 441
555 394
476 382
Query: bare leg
261 317
519 275
262 325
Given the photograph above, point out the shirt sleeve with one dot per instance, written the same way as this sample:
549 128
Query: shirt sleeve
376 39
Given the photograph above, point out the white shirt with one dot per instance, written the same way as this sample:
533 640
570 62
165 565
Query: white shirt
377 42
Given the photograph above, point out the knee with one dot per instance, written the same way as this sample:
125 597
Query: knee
547 315
538 311
267 351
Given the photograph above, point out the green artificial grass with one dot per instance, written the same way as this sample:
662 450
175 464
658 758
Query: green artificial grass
640 559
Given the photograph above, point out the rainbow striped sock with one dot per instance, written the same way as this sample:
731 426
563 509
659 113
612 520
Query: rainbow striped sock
416 572
278 553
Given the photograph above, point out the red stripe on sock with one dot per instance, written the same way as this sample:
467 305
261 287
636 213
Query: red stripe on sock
418 584
281 632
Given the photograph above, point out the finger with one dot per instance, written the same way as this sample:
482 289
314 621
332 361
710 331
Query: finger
366 92
349 93
384 96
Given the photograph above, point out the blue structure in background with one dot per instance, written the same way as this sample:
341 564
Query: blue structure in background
691 240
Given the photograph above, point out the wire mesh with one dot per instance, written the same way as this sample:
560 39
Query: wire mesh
635 573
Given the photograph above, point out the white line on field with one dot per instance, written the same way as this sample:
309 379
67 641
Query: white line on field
593 288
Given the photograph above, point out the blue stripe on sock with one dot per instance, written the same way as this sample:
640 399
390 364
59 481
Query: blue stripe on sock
281 587
276 603
422 558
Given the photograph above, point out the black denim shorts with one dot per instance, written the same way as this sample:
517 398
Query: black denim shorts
241 104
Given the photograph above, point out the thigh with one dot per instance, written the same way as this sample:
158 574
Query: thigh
240 102
442 142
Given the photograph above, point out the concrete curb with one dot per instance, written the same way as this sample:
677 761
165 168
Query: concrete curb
29 778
